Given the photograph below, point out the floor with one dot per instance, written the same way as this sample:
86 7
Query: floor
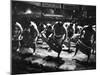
47 61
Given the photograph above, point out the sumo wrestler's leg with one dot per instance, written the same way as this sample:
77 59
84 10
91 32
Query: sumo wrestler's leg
77 48
33 46
88 53
59 49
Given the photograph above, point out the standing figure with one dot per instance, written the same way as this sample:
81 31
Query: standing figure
57 38
85 42
16 35
30 36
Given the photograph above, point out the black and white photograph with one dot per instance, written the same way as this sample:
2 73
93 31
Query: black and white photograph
52 37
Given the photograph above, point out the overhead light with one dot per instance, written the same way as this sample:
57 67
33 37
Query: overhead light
48 24
74 11
28 11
